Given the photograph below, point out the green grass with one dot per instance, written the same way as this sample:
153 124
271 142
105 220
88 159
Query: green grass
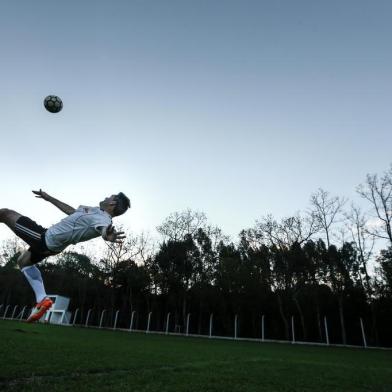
50 358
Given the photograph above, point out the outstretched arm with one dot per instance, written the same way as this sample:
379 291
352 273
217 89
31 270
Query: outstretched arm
59 204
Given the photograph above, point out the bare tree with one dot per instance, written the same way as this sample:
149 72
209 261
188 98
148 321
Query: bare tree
364 242
217 236
134 250
378 191
289 230
326 210
136 247
179 224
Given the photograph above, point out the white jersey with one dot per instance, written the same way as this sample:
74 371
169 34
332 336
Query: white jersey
83 225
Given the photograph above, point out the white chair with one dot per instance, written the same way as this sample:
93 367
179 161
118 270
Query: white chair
58 313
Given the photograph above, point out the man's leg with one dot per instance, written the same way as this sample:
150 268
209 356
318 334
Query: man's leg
33 275
29 269
9 217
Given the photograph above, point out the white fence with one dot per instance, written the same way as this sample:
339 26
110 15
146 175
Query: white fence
8 312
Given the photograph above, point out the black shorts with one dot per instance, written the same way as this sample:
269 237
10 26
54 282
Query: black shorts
34 234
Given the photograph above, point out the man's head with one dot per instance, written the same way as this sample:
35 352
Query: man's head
115 205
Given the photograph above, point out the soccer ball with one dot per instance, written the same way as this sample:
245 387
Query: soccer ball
53 104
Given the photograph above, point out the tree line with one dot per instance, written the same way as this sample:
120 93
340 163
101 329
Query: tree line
312 267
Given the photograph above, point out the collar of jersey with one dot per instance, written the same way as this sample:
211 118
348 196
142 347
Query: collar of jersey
106 213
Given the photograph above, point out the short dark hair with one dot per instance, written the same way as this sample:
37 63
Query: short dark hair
122 204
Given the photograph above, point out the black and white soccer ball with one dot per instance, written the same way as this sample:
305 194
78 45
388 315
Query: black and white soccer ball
53 103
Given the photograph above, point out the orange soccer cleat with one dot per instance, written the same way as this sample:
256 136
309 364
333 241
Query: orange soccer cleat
40 309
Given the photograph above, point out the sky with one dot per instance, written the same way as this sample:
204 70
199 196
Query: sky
237 109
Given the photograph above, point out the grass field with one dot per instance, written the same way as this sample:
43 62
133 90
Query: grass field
50 358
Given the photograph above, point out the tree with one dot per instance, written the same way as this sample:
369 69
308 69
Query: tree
385 271
317 276
10 250
283 234
180 224
343 271
326 210
134 249
173 266
378 191
205 263
288 269
133 284
364 242
74 275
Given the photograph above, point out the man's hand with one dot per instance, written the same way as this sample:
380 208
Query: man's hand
114 236
41 195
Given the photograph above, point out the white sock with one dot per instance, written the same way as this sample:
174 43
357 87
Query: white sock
34 277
